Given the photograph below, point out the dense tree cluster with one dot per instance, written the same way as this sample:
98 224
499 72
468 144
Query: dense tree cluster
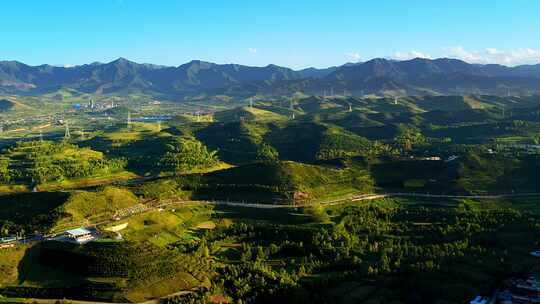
5 174
300 263
161 189
187 154
44 161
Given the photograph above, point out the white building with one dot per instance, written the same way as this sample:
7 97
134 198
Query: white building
79 235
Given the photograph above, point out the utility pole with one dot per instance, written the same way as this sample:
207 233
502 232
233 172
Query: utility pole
40 136
395 100
128 122
350 107
251 102
198 116
159 125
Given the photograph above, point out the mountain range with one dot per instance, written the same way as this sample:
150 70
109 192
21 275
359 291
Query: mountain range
377 76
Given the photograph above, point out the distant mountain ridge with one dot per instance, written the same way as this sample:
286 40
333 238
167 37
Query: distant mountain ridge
377 76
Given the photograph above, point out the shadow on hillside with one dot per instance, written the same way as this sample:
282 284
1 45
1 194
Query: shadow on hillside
36 268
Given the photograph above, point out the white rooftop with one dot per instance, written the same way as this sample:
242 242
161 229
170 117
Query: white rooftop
78 232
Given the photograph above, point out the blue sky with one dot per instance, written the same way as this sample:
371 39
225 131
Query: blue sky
294 33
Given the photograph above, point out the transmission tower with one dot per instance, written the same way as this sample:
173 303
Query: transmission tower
67 135
128 122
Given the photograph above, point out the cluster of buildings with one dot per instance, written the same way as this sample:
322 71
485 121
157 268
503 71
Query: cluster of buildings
93 106
479 300
435 158
8 242
77 235
520 291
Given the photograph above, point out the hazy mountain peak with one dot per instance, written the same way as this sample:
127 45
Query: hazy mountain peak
379 75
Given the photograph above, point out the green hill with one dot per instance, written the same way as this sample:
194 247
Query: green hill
93 206
38 162
29 212
44 212
271 182
311 141
471 173
236 142
314 104
104 271
248 114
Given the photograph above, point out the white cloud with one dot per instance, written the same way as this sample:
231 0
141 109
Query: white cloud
410 55
252 50
493 55
354 56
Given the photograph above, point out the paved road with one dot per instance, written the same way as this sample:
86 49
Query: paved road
128 212
371 196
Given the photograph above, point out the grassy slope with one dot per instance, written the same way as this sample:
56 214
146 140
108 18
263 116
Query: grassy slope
247 113
289 181
153 271
89 207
